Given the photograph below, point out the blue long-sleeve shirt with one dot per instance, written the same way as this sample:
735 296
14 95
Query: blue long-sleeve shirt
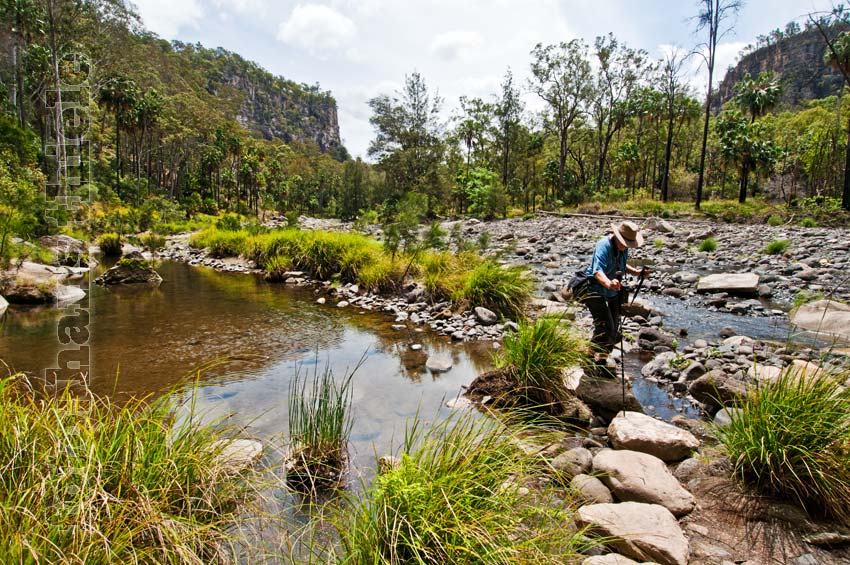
608 259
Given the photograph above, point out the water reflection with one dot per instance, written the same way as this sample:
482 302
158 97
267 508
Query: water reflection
244 339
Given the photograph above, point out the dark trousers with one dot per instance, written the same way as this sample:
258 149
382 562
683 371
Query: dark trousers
606 321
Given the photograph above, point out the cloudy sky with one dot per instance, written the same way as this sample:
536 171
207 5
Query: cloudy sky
358 49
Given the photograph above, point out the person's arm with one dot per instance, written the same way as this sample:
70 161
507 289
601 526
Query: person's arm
637 271
599 264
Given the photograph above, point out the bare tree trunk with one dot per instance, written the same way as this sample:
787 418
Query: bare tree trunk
60 154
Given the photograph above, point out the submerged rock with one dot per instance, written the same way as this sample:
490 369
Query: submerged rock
133 268
438 363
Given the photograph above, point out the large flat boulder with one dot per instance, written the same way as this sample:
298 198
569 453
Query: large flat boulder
733 283
640 477
3 305
646 532
609 559
605 396
823 316
638 432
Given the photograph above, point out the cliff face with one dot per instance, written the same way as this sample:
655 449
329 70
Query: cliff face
271 106
798 60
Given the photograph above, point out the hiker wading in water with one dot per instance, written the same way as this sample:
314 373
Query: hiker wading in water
605 294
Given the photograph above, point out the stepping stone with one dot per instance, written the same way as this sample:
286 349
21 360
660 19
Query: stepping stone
739 283
640 477
646 532
639 432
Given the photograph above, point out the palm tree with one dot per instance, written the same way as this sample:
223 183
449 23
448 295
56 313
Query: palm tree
119 94
759 95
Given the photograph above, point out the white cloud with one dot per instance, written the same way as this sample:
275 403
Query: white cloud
454 45
167 17
242 6
316 28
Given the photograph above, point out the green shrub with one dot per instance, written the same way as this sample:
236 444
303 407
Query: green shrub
152 241
435 236
791 439
229 222
110 244
777 247
320 423
537 353
89 481
292 219
775 220
483 241
808 223
658 243
708 245
456 497
502 290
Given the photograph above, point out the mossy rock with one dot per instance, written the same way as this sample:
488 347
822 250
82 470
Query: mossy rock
131 269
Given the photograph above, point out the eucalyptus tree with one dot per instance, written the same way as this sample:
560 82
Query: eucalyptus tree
715 16
24 21
837 56
408 144
561 77
508 113
621 71
672 88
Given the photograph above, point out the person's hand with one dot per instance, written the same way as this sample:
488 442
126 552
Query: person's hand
614 285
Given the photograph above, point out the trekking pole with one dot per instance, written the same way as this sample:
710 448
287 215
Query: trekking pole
622 339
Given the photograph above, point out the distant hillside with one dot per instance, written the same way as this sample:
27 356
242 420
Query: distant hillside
797 59
268 106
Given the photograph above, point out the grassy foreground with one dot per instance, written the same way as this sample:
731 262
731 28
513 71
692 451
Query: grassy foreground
87 481
457 496
791 439
355 258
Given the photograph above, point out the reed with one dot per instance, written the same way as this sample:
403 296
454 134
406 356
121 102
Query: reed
87 481
320 423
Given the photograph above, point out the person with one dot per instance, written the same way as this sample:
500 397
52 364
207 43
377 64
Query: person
604 296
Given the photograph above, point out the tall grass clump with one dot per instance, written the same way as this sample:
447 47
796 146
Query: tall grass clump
443 272
537 353
220 242
791 439
708 245
88 481
276 267
110 244
808 223
503 290
456 497
319 429
777 246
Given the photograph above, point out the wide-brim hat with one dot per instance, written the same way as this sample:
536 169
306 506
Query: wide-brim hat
628 233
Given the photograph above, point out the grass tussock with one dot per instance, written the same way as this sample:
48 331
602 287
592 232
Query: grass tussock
708 245
791 439
502 290
457 497
320 423
355 258
777 247
537 353
86 481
